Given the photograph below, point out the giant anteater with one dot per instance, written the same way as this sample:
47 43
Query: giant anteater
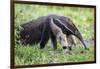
42 28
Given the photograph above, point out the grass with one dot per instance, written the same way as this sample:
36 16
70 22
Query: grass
83 18
25 55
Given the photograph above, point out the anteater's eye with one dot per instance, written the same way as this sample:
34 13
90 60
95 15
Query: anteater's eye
60 38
